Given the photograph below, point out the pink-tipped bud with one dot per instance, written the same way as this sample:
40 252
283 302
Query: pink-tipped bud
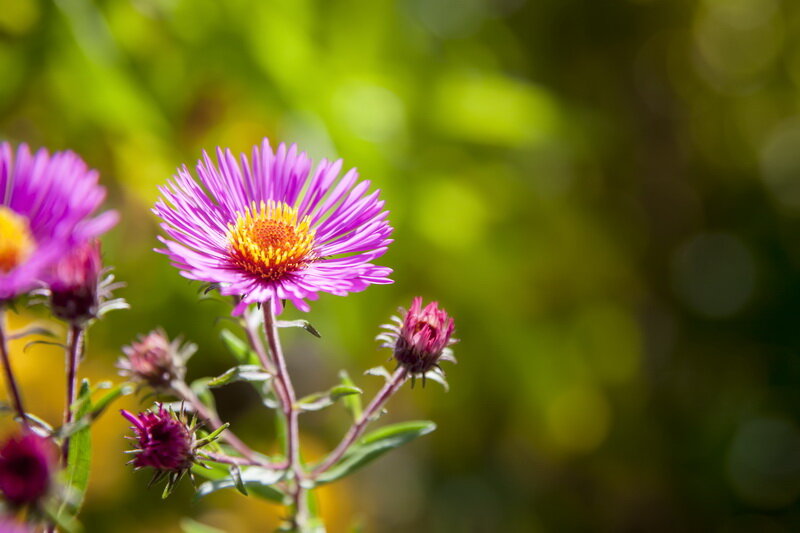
154 360
420 338
164 441
27 462
74 284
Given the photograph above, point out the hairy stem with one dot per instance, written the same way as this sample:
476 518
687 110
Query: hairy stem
186 394
290 411
356 430
11 383
74 354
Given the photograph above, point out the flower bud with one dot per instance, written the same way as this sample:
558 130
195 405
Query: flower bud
164 441
74 282
420 338
154 360
27 462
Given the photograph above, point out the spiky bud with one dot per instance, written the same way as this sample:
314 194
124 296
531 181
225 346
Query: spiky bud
74 284
155 361
420 337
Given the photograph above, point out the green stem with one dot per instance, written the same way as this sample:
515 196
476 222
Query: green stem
74 355
299 519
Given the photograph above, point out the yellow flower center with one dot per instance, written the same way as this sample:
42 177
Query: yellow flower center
269 241
16 241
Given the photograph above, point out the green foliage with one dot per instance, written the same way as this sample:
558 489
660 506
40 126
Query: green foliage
375 444
79 459
321 400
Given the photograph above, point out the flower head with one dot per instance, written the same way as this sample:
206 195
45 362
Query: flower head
74 283
154 360
46 204
164 441
27 462
420 337
269 229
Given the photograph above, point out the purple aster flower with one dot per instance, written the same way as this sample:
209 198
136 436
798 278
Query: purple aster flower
46 202
27 463
420 337
269 229
163 440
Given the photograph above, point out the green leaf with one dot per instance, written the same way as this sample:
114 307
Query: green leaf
379 371
104 401
64 521
321 400
79 457
200 388
375 444
249 373
33 330
305 324
353 401
191 526
259 482
240 350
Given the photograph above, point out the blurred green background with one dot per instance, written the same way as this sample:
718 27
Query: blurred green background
604 193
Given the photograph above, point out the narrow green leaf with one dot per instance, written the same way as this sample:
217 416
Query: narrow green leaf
379 371
123 389
375 444
191 526
249 373
259 482
353 401
64 521
33 330
305 324
79 457
240 350
321 400
236 475
200 388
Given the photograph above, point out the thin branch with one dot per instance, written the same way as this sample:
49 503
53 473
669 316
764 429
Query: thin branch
74 355
357 430
16 398
300 512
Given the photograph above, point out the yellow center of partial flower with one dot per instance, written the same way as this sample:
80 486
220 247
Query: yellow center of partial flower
269 241
16 241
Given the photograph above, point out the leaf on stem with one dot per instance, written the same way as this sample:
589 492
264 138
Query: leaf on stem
249 373
375 444
239 348
200 388
305 324
353 401
80 456
321 400
33 330
379 371
259 482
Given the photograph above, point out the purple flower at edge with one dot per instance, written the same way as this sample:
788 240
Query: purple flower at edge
27 463
46 207
269 229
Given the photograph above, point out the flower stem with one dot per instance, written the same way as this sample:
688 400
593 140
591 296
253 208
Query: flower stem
186 394
74 349
299 511
10 381
356 430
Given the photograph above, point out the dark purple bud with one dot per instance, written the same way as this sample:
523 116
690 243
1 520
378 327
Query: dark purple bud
74 282
27 462
163 440
421 337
